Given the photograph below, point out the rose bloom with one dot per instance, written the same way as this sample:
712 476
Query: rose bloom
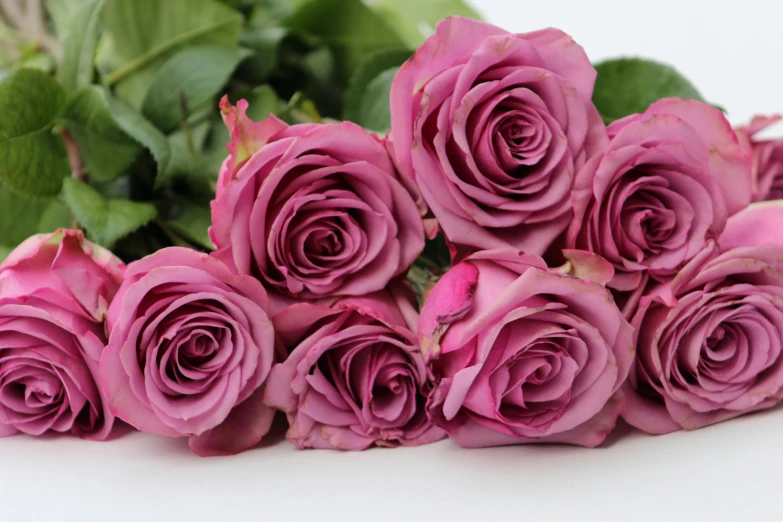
312 210
709 342
493 127
190 347
522 353
767 159
662 189
354 377
54 292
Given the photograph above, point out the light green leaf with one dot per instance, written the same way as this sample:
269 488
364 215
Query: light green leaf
414 20
271 13
356 33
106 150
4 251
76 69
629 85
192 223
262 102
61 12
105 220
194 75
33 160
55 215
367 97
141 35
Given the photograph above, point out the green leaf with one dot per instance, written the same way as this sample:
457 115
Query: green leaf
629 85
106 150
55 215
62 12
193 76
271 13
140 129
186 159
262 102
76 69
192 222
105 220
141 35
354 34
264 43
367 97
33 160
414 20
20 217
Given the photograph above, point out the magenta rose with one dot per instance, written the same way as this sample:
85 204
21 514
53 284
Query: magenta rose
190 348
54 292
522 353
767 159
493 127
650 203
709 342
354 377
312 210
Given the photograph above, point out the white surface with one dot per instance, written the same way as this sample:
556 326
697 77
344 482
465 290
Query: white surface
732 51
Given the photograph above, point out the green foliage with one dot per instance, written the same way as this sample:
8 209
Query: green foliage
105 220
367 97
33 160
76 69
629 85
141 35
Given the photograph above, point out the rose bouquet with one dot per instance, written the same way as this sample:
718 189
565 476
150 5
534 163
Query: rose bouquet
441 230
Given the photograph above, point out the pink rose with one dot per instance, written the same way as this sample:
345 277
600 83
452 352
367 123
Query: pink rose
493 127
661 190
54 292
312 210
522 353
354 377
189 350
767 159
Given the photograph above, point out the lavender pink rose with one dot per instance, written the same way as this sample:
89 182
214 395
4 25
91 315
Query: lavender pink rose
312 210
54 294
767 158
709 342
493 127
354 377
190 347
662 189
522 353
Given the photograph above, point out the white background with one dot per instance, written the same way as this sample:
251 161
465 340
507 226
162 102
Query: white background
733 52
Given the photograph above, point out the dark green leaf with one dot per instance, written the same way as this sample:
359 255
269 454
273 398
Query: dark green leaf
76 69
192 223
629 85
356 33
106 150
367 97
33 160
20 217
141 35
187 81
265 43
436 253
186 154
105 220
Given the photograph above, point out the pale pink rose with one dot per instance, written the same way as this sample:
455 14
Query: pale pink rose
660 191
767 158
312 210
493 127
354 377
522 353
189 350
54 292
709 342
